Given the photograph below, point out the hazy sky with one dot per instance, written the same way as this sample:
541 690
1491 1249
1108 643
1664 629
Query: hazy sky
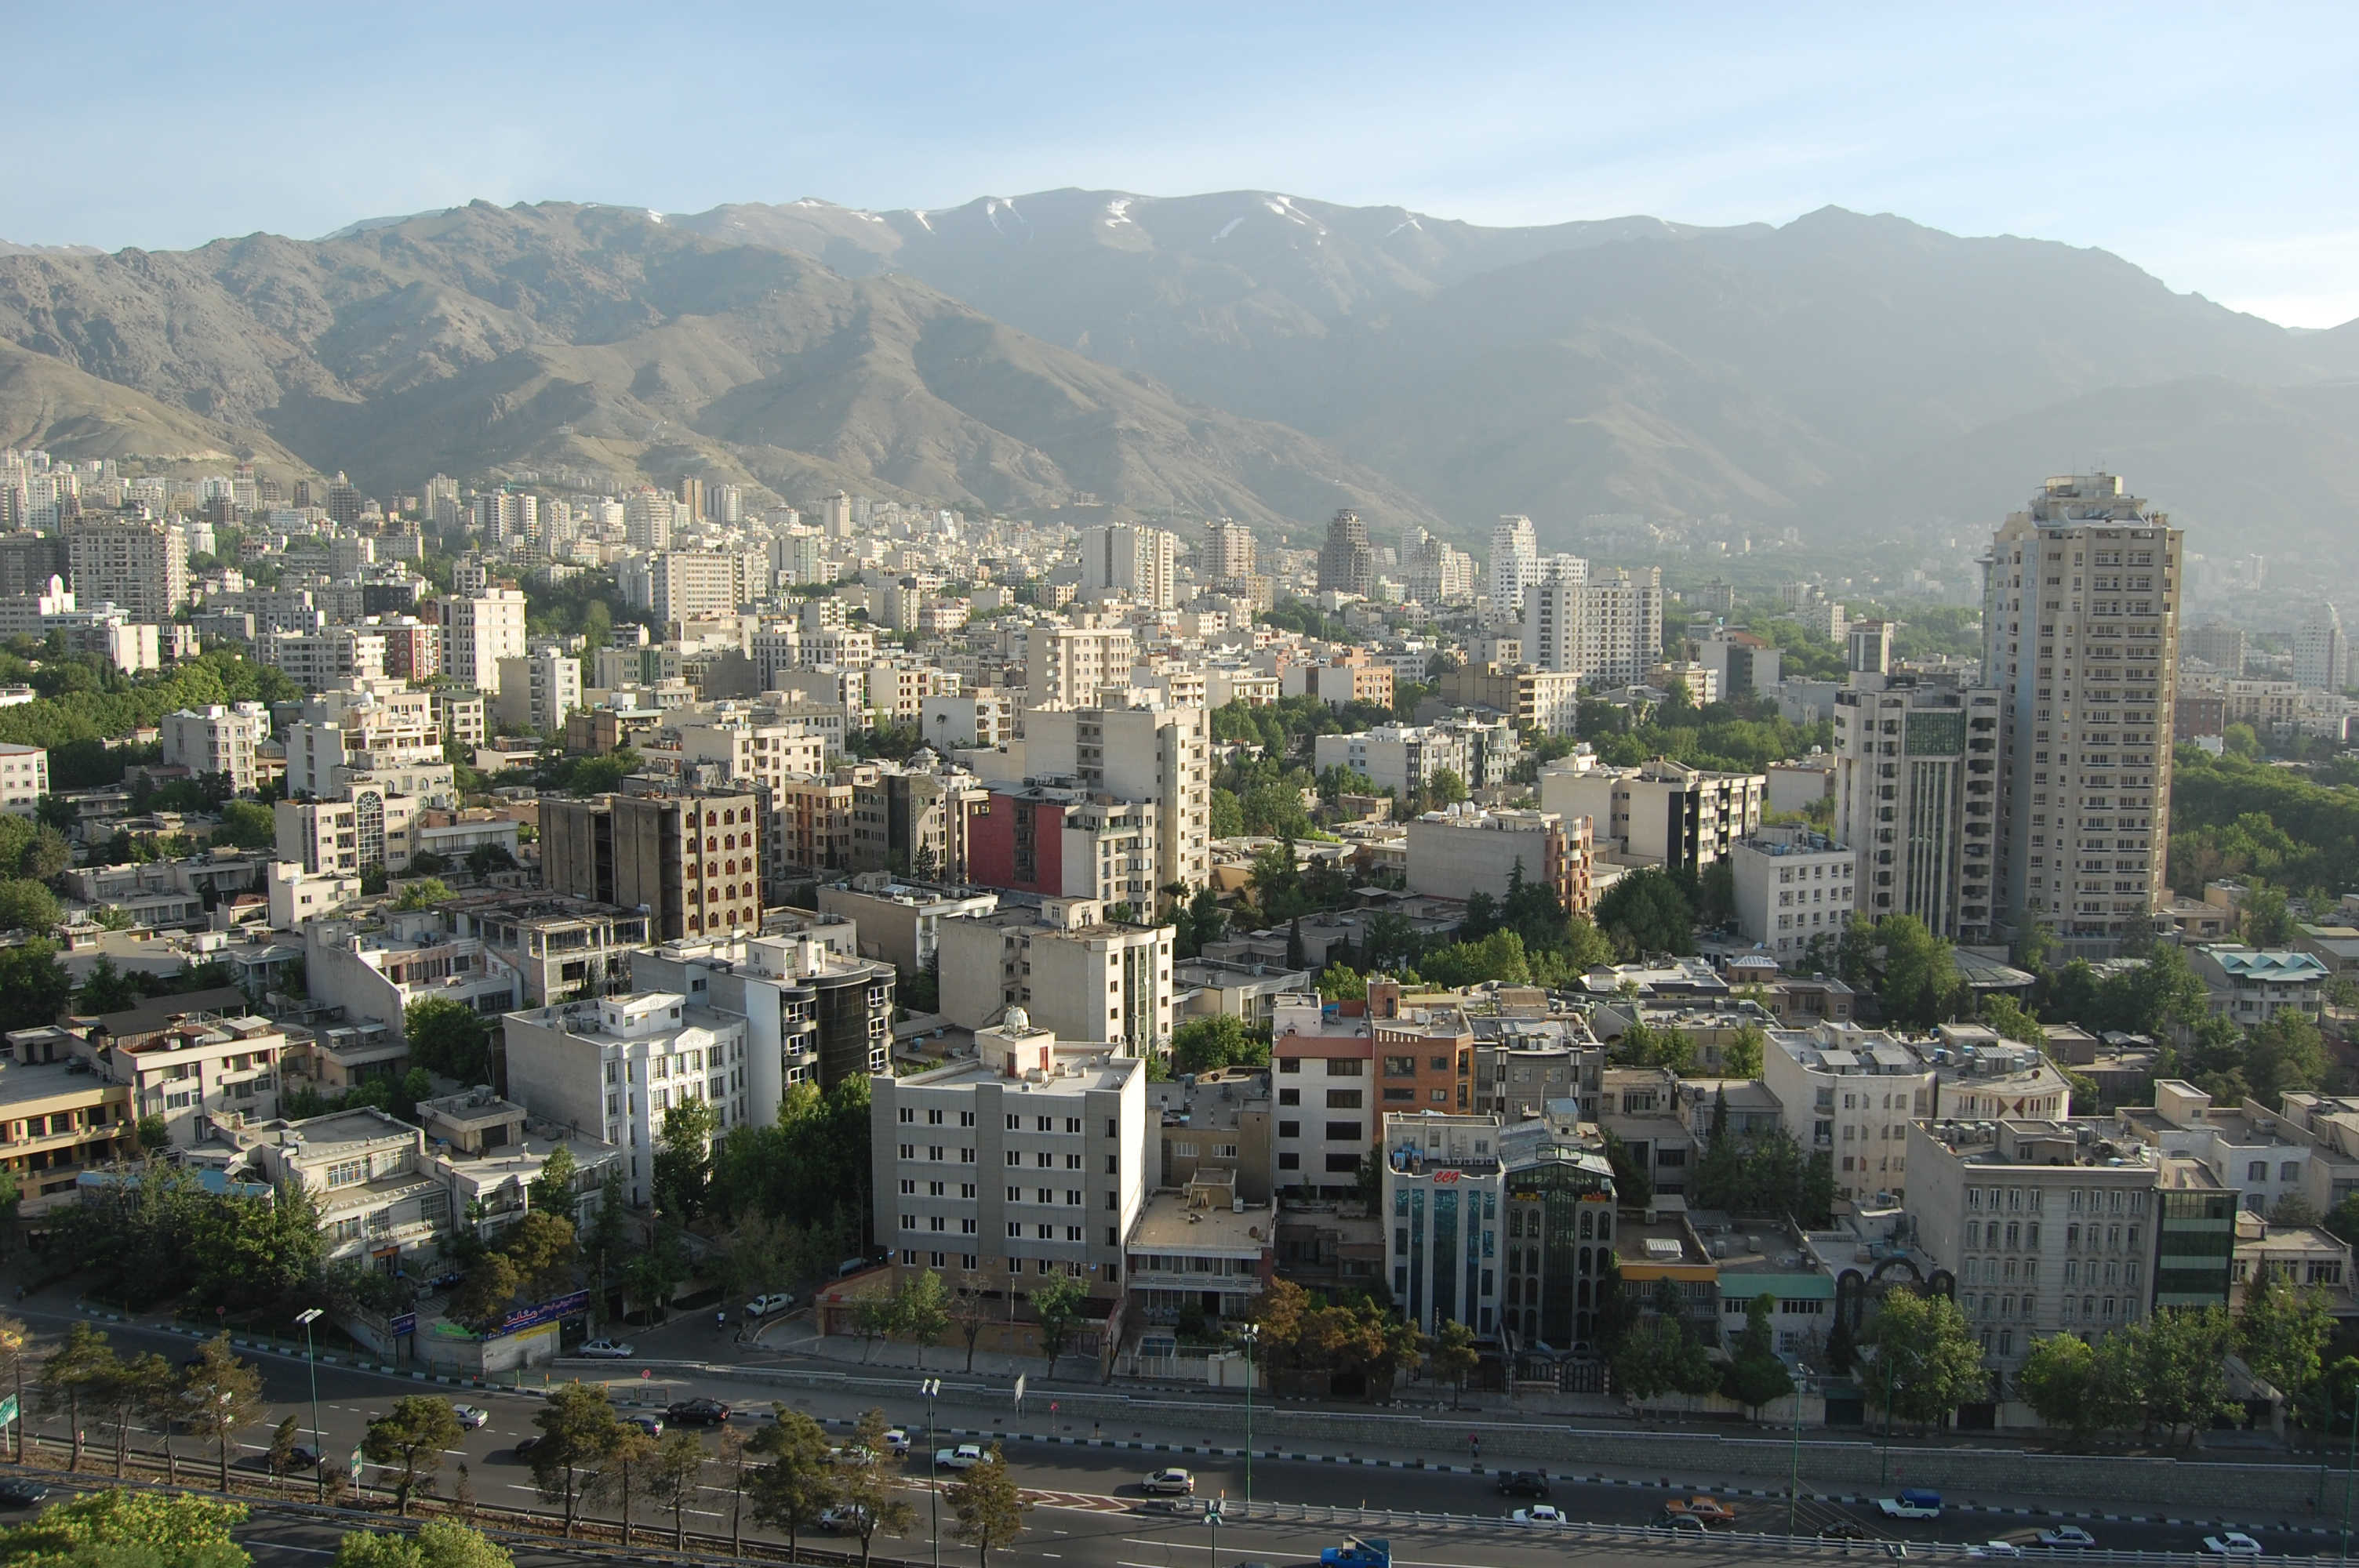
2211 145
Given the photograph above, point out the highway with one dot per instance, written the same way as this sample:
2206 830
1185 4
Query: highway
1090 1495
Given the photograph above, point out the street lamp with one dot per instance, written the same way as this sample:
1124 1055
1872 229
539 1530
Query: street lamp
1794 1479
307 1317
932 1387
1250 1335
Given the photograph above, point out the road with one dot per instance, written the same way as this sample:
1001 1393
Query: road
1087 1520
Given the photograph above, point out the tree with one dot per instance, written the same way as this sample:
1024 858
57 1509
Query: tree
49 854
26 905
71 1376
2283 1331
105 989
542 1247
119 1529
1056 1306
868 1490
1754 1376
551 1191
448 1037
1920 981
439 1543
874 1318
675 1475
578 1430
1936 1363
1452 1357
683 1162
492 1286
920 1306
2179 1358
246 825
989 1507
1656 1357
1340 982
970 1313
412 1436
1632 1183
224 1396
1741 1057
423 893
1647 913
2059 1381
1222 1039
2284 1053
15 1338
132 1392
284 1438
623 1476
794 1484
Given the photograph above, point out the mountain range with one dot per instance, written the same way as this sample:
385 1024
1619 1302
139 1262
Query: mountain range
1249 353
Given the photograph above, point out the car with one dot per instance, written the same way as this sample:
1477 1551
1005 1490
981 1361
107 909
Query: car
471 1417
763 1306
1913 1503
965 1456
1996 1549
1540 1513
302 1458
897 1440
1523 1484
446 1282
842 1519
696 1413
21 1494
650 1425
2233 1543
2067 1537
1843 1529
608 1350
525 1446
1358 1555
850 1454
1680 1524
1710 1510
1187 1507
1170 1481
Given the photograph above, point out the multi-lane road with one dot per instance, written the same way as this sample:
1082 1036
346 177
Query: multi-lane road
1091 1497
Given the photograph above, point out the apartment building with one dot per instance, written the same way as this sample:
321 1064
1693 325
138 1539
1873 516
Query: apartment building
1027 1161
479 629
1081 975
691 857
2252 986
376 972
1607 629
1515 564
614 1065
1916 800
1160 757
23 778
57 1118
331 656
369 732
1399 758
216 739
812 1012
812 820
1793 886
1659 814
139 567
536 690
490 1152
1546 701
1456 853
187 1067
560 948
355 828
381 1204
2081 618
901 922
1129 560
1347 562
1070 666
1340 680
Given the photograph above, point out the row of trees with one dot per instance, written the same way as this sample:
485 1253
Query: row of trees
162 1530
154 1232
88 1381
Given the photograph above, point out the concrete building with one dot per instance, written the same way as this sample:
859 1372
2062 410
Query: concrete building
479 629
900 923
1515 564
25 778
2080 623
1399 758
1608 629
1027 1161
691 857
139 567
381 1205
1064 964
536 690
1548 701
1129 560
612 1066
217 739
329 656
2252 986
1158 757
375 973
1072 666
1217 1123
1342 1069
1203 1246
560 948
1916 800
2321 654
1741 664
356 829
58 1119
372 733
190 1066
1661 812
1228 554
1347 563
2246 1149
1793 884
1455 854
491 1151
812 1013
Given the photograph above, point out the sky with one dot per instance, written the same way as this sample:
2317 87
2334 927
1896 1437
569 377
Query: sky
2211 145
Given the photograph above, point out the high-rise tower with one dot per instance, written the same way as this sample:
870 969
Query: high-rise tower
1515 561
1348 562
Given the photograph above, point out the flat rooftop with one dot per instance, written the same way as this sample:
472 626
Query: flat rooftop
22 1085
1081 1069
1165 1224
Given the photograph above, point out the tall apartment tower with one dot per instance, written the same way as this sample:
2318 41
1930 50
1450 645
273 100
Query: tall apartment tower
2322 655
1916 800
1515 560
1070 667
691 857
1347 564
135 564
835 516
479 629
2080 633
1129 559
1608 629
1867 647
1228 551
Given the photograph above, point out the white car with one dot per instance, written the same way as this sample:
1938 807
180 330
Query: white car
850 1454
2235 1543
897 1440
965 1456
1540 1513
763 1306
471 1417
1172 1481
608 1350
842 1517
2068 1537
1996 1549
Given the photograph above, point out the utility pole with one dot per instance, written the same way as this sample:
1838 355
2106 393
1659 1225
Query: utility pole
307 1317
931 1387
1794 1479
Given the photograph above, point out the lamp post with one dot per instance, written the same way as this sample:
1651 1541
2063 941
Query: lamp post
307 1317
1250 1335
1794 1477
931 1387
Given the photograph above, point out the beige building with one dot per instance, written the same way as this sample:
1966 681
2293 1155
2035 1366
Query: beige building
1659 814
1160 757
25 778
1455 854
1070 666
478 630
140 568
1917 802
57 1119
1078 974
216 740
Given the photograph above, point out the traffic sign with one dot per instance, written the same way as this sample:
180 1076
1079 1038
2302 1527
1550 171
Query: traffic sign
357 1467
7 1410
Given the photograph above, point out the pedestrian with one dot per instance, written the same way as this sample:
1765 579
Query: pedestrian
720 1320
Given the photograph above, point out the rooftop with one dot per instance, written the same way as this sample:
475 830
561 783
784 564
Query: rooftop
1168 1222
2268 964
2077 1141
21 1084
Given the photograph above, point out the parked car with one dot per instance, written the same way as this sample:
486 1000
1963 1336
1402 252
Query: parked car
763 1306
608 1350
1170 1481
21 1494
965 1456
525 1446
2068 1537
1523 1484
1540 1513
696 1413
471 1417
1913 1503
2232 1543
850 1454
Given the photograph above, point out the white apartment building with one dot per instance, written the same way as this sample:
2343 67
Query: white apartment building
1063 962
1515 564
380 1203
1028 1158
1129 560
812 1013
359 826
2321 654
375 973
1070 667
140 568
1608 628
213 740
2080 625
329 656
698 585
1396 757
1793 884
1457 853
478 630
1660 813
614 1065
1916 800
1228 554
198 1065
23 778
1158 756
536 690
377 734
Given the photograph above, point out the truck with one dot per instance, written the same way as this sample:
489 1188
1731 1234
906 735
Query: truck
1357 1553
1913 1503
